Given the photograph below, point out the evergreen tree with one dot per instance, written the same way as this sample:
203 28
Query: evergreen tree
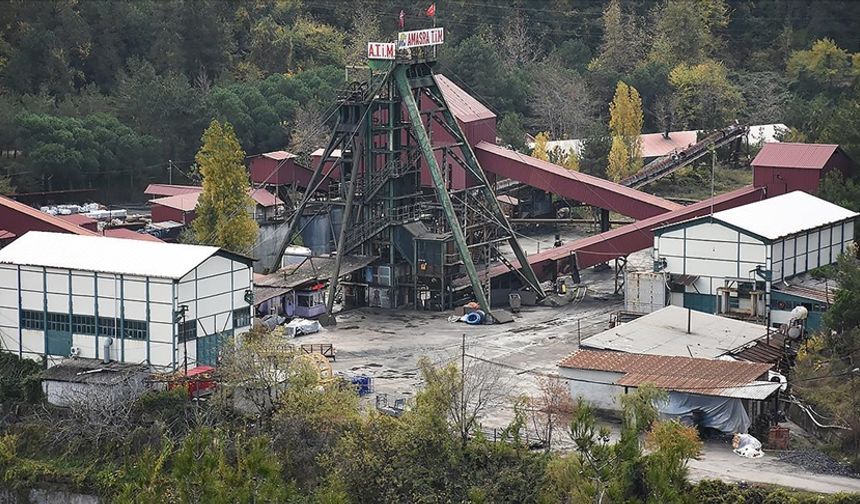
223 210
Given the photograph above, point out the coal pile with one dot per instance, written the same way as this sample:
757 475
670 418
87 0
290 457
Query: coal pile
816 461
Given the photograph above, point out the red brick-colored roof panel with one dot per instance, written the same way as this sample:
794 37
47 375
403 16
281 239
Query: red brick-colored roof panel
669 372
795 155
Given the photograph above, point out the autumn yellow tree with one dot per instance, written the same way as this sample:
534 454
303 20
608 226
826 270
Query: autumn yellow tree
223 210
619 160
539 150
625 126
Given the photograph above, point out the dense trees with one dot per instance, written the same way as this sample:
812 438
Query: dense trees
272 69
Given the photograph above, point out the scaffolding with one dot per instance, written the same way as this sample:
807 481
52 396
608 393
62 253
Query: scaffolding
399 144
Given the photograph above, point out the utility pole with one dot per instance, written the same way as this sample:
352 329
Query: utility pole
179 317
463 388
170 171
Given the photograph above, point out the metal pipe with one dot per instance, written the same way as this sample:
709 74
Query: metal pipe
689 320
565 221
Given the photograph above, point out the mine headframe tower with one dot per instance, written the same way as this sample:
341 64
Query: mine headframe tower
431 243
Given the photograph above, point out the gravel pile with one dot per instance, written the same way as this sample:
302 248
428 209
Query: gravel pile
816 461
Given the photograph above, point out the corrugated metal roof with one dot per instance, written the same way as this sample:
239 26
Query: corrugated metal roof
784 215
128 234
42 216
188 201
6 235
820 295
265 198
170 189
795 155
762 350
185 202
463 105
715 377
77 219
105 254
664 332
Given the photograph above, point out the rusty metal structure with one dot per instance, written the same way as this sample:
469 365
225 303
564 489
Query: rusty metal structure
428 235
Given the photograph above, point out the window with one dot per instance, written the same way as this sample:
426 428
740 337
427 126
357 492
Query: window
31 319
187 330
83 324
305 300
241 318
135 329
58 322
108 326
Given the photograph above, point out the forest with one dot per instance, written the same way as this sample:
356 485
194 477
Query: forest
109 95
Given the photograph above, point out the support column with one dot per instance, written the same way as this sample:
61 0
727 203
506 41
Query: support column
439 185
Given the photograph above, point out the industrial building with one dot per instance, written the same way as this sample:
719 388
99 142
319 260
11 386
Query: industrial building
178 203
726 395
728 262
130 301
786 167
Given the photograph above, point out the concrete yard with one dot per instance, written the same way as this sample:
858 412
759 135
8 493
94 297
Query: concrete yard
387 345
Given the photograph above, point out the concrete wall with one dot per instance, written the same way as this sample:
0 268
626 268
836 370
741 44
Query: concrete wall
596 387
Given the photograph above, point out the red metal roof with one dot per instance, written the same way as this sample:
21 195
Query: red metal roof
58 225
463 105
684 374
570 184
265 198
170 189
656 145
6 235
129 234
185 202
795 155
77 219
188 201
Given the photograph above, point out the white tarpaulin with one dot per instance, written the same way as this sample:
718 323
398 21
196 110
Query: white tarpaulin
722 413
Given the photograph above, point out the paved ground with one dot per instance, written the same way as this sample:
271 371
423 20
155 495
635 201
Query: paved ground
719 462
387 344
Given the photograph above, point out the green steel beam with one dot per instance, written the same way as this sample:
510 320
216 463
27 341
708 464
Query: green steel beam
474 168
405 91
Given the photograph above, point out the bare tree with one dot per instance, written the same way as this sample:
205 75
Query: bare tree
517 46
561 102
550 409
468 391
308 131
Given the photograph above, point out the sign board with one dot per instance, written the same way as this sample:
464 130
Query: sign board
381 50
419 38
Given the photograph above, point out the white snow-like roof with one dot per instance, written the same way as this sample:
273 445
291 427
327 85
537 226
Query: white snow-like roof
105 255
784 215
664 332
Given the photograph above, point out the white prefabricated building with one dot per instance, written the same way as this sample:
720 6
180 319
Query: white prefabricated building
141 302
728 261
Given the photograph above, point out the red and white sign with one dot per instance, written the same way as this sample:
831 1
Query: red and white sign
419 38
381 50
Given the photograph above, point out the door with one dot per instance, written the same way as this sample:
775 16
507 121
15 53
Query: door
209 348
58 334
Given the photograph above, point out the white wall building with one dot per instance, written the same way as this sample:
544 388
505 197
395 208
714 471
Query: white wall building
63 294
727 262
